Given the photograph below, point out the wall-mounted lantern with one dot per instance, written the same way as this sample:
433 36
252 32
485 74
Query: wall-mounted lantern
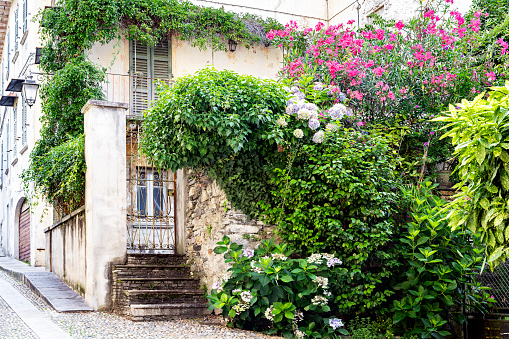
30 88
232 45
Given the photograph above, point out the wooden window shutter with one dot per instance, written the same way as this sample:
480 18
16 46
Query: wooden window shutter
23 120
16 30
161 56
147 65
25 15
15 132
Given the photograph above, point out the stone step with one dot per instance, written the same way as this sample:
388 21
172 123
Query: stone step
129 283
178 296
143 312
155 259
150 271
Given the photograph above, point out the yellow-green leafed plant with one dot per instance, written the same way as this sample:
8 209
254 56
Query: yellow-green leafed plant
479 130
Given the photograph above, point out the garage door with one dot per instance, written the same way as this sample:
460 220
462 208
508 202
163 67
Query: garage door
24 233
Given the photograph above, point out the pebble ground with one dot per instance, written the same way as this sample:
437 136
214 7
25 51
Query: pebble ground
108 326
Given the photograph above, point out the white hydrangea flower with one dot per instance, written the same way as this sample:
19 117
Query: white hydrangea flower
315 259
311 107
246 296
299 334
337 111
327 256
335 323
319 137
298 316
322 282
237 290
295 89
268 313
240 307
327 294
298 133
218 286
319 300
303 114
331 127
313 115
313 124
278 256
281 122
255 268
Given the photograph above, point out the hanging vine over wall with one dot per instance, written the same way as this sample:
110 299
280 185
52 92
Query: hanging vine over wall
73 27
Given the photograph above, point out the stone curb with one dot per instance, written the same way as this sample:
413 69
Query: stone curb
46 285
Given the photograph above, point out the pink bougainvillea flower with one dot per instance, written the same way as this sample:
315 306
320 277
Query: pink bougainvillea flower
504 46
400 25
449 1
491 76
361 123
378 71
319 26
380 34
391 95
350 22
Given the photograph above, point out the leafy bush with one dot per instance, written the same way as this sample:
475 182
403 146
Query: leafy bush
441 266
59 175
73 27
478 130
223 122
364 328
57 166
266 290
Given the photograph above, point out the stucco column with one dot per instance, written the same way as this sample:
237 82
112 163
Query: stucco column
105 197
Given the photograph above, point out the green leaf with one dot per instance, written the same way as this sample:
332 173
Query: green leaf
481 154
286 278
220 249
496 254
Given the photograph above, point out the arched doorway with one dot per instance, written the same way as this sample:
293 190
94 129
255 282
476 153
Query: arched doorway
24 232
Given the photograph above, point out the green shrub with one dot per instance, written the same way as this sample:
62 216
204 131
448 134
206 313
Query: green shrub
59 175
478 130
438 282
57 166
265 290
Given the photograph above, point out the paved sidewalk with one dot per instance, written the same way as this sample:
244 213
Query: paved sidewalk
40 324
45 284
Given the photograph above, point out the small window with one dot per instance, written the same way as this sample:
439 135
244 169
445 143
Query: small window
151 193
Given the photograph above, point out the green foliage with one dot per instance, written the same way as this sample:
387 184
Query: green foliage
75 25
264 290
59 174
441 266
478 130
364 328
221 121
339 197
63 96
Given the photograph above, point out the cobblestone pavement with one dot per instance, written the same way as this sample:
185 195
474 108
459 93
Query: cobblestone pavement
11 326
108 326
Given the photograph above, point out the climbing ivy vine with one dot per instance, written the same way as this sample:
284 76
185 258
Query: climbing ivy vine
68 31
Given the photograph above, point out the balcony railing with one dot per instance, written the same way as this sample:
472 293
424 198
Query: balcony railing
137 90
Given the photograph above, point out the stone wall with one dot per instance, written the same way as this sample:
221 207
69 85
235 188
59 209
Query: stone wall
209 217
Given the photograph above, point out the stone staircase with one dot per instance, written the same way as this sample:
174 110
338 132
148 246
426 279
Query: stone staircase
156 287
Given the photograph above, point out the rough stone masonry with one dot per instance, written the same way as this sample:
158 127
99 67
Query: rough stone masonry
209 217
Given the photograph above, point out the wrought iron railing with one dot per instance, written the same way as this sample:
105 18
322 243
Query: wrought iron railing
151 199
137 90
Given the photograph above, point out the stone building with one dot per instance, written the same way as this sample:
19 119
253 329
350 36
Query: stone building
115 249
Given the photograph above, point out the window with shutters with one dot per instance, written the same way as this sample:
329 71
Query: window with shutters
15 132
147 65
8 149
23 120
25 15
8 55
16 29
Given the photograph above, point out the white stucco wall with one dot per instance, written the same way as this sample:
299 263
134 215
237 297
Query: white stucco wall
340 11
11 194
